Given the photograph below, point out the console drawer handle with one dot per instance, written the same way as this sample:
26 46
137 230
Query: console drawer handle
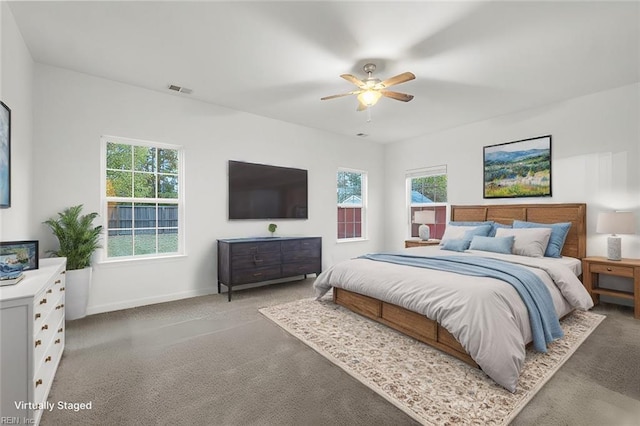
60 306
38 382
57 341
60 330
38 316
61 288
38 343
49 291
43 301
45 327
47 359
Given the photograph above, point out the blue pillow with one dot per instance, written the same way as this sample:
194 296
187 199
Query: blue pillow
556 240
494 228
455 245
463 243
493 244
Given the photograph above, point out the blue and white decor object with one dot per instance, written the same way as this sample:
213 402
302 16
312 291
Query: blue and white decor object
424 218
614 223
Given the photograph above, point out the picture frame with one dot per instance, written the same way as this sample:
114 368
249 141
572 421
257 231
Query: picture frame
19 252
518 169
5 156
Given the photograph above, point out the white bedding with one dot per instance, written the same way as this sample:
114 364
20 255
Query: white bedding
486 315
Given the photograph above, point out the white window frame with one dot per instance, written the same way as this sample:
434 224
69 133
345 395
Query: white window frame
418 173
362 206
105 200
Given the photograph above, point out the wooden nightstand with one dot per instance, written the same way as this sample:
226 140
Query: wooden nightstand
592 267
414 242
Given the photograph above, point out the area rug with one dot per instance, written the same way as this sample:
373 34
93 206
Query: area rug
428 385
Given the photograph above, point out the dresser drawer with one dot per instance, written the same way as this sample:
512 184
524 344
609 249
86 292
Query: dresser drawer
621 271
300 268
300 255
45 369
306 244
255 274
256 260
255 248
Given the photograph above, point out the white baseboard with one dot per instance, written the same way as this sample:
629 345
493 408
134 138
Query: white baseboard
109 307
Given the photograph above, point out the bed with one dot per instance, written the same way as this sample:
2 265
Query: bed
463 315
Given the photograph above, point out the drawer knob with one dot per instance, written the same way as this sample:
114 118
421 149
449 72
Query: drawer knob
58 281
45 327
38 316
49 291
38 382
609 269
60 330
38 343
257 274
43 301
61 288
47 359
60 306
57 341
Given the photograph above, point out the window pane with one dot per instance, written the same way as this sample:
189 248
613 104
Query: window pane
429 189
349 188
167 215
144 215
168 240
118 184
144 241
120 243
118 156
167 186
168 161
144 159
120 215
144 185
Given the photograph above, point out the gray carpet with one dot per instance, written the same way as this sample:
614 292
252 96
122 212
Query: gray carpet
207 361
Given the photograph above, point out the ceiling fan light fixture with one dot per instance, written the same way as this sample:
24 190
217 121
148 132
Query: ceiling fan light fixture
369 97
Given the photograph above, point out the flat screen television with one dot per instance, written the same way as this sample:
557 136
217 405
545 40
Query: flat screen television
260 191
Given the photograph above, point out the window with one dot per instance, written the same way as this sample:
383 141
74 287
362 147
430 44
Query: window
427 190
352 189
143 200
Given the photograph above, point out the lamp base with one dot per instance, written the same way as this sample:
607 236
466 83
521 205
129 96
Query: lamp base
424 232
614 248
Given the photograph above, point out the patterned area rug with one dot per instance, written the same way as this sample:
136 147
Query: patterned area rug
430 386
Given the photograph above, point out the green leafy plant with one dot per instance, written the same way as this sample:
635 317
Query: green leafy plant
272 227
77 236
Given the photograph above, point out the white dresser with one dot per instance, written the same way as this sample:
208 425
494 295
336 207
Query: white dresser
31 339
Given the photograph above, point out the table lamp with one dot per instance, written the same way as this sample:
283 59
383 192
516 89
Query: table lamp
615 223
424 218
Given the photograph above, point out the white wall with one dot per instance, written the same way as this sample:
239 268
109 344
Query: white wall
16 79
595 160
73 110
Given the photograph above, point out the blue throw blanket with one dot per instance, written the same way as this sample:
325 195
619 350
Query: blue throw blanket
545 326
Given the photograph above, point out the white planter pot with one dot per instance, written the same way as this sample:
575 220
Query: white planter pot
77 285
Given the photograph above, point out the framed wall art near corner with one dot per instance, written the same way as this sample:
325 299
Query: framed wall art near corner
518 169
15 254
5 156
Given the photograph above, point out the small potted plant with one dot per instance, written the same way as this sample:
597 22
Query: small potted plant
78 240
272 228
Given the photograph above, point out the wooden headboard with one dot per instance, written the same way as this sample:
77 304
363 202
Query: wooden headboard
576 242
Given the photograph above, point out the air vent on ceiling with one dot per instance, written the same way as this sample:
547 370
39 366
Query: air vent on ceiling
180 89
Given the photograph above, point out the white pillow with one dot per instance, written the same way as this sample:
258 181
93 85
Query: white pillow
452 232
530 242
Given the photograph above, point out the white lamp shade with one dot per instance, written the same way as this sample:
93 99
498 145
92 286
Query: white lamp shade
424 216
616 223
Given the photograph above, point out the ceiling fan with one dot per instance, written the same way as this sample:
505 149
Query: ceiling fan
372 89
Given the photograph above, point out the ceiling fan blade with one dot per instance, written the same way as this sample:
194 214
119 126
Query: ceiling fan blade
354 92
396 95
355 80
400 78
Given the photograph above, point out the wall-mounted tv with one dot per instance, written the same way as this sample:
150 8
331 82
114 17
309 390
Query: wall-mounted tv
260 191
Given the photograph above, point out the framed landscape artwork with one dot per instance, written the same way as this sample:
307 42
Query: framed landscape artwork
5 156
518 169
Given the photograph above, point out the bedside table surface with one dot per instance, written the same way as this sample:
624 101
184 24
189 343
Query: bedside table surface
623 262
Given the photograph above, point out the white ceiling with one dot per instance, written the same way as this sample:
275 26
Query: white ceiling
472 60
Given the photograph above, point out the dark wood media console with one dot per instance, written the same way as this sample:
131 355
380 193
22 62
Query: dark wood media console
252 260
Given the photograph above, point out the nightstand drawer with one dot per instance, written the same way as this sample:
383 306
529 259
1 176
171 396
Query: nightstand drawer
621 271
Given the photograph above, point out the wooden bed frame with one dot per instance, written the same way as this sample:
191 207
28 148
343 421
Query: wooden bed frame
429 331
